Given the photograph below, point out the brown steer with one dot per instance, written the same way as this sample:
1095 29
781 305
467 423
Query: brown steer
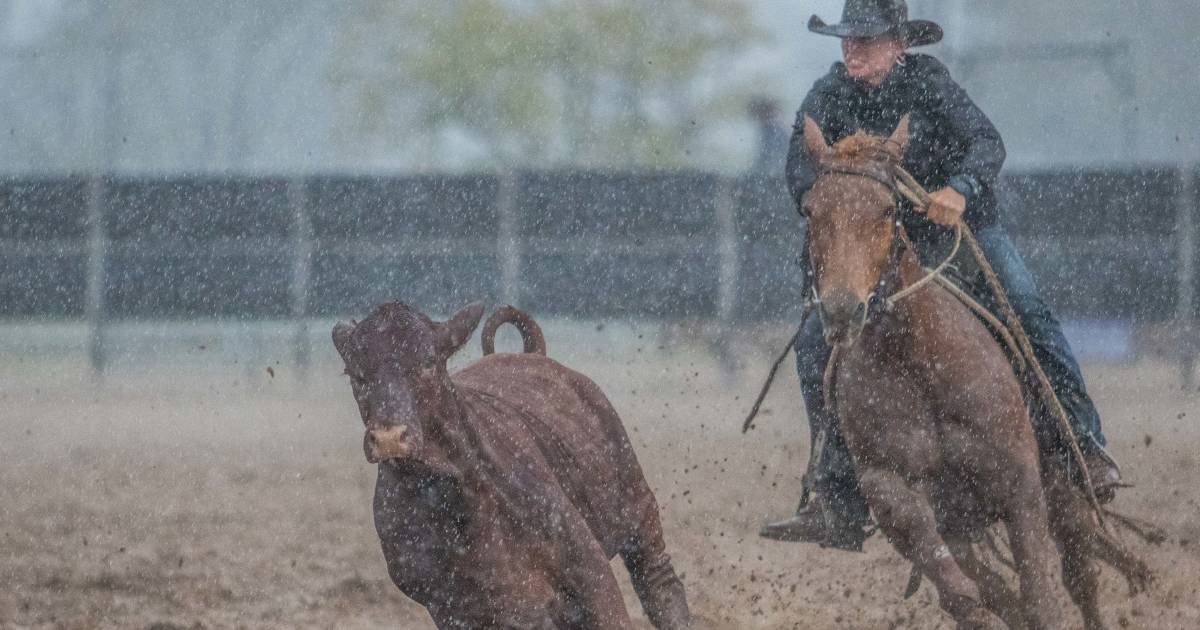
504 490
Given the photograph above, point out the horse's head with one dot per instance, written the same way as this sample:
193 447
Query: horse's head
852 230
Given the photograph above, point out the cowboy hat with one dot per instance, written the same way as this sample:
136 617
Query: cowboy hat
872 18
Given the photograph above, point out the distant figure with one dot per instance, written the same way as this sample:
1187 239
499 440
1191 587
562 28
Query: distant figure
773 136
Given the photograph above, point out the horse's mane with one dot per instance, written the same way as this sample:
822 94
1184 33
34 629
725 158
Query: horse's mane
862 147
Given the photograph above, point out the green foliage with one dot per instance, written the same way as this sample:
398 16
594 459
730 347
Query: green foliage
540 82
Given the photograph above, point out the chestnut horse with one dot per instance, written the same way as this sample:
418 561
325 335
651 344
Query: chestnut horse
933 413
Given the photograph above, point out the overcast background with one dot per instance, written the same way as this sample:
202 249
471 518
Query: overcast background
285 86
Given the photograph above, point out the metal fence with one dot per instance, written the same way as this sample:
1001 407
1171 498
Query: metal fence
1115 244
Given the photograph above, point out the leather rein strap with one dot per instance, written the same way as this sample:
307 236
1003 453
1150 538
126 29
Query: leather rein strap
911 189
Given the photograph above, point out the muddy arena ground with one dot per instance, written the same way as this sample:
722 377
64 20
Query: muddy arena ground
193 488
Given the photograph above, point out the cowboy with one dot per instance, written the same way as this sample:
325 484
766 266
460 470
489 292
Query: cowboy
956 152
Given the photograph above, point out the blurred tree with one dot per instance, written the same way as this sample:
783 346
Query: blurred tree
103 85
538 82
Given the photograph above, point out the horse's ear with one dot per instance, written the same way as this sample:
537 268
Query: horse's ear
900 135
814 139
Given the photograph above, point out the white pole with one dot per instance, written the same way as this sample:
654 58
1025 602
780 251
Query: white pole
1185 308
97 254
508 246
302 250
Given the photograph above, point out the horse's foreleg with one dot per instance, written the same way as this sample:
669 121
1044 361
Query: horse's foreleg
995 591
1033 551
906 518
1072 525
1080 575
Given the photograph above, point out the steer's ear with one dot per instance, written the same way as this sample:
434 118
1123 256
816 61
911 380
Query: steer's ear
457 330
341 339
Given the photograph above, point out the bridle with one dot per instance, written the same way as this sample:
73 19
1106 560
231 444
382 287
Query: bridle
900 183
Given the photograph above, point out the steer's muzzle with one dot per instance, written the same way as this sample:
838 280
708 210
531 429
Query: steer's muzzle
384 443
843 317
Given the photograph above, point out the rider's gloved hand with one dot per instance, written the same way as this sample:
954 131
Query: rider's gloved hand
946 206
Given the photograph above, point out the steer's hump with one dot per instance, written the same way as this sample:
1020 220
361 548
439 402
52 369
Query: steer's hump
561 400
516 376
578 432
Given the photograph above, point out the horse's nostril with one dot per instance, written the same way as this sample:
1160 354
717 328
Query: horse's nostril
842 312
860 311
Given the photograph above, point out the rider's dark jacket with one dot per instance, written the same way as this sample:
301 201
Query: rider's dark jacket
952 143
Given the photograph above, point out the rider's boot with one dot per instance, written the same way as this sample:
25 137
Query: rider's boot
1102 469
834 524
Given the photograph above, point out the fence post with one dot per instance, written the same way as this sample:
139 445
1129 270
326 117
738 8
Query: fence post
728 270
302 250
727 252
508 245
1185 309
97 258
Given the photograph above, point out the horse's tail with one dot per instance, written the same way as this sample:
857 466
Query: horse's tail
531 333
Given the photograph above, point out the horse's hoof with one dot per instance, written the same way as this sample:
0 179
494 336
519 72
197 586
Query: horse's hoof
981 619
1140 582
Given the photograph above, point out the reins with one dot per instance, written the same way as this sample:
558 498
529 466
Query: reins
762 394
912 190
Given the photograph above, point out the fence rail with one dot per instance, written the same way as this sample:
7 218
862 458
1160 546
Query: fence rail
1111 244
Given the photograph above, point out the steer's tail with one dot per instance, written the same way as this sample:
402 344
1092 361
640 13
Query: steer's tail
531 333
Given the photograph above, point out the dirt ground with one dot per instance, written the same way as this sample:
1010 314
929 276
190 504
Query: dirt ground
189 491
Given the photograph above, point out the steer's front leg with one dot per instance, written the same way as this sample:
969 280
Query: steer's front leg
589 596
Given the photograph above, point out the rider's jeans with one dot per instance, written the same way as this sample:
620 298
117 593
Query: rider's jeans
834 474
